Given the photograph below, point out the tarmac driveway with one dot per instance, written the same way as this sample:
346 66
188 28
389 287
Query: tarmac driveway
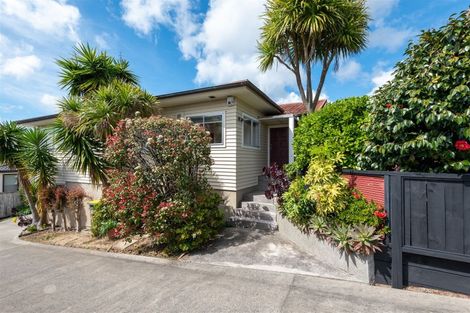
36 278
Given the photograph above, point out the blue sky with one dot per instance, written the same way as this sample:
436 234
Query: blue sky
175 45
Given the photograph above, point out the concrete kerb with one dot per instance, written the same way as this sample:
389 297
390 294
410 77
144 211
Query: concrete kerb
184 263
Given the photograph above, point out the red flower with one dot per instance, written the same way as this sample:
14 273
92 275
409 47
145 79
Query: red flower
388 105
462 145
356 195
380 214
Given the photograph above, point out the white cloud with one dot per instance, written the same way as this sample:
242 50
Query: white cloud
46 16
292 97
101 41
348 70
49 102
389 38
379 78
223 44
147 15
20 66
225 48
380 9
7 108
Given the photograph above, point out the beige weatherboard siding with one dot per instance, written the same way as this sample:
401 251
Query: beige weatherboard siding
250 160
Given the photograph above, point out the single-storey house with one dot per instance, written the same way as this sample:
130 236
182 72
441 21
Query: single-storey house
9 195
249 131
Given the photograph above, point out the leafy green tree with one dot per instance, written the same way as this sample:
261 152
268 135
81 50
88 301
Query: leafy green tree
300 33
420 120
87 70
335 129
38 159
30 152
102 92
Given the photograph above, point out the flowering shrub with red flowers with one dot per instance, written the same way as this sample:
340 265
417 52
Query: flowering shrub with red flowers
158 186
419 120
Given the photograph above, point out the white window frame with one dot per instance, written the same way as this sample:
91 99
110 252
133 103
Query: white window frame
3 182
245 115
217 145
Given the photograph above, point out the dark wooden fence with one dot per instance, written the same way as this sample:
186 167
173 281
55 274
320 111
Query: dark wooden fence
430 238
429 243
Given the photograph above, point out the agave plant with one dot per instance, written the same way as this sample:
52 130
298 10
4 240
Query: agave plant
366 240
342 237
320 226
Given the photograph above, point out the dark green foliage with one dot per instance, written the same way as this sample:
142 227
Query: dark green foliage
359 211
103 220
332 130
296 206
418 117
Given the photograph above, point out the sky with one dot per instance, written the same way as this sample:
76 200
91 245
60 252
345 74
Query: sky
175 45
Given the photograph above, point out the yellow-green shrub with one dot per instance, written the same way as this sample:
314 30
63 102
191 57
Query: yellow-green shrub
326 187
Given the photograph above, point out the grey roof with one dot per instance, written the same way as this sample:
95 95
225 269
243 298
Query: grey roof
4 168
243 83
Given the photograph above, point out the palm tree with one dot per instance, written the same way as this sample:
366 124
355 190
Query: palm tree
102 92
300 33
30 152
87 70
38 159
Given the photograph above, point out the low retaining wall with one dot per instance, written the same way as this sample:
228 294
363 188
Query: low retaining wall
361 268
369 183
8 201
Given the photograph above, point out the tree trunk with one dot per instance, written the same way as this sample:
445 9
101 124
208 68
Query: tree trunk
53 219
26 185
64 219
42 209
326 65
298 80
308 72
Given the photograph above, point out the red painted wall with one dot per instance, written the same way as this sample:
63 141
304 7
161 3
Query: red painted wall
372 187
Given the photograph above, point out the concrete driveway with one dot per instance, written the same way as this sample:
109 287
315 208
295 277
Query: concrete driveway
51 279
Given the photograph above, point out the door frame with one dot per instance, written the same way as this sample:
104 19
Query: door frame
269 141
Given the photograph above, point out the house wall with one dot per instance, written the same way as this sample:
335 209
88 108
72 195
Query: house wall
8 200
224 169
250 161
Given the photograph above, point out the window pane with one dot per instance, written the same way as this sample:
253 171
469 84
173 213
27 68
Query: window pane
247 132
197 119
216 131
255 134
213 118
10 183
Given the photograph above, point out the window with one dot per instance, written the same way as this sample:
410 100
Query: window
213 123
250 131
10 183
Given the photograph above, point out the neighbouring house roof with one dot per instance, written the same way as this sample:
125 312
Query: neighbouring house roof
232 89
6 169
298 108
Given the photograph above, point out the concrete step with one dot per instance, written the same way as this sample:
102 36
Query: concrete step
258 206
261 215
257 196
244 222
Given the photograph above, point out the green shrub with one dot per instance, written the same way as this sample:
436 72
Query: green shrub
296 206
184 225
359 211
103 220
420 120
326 187
159 186
334 129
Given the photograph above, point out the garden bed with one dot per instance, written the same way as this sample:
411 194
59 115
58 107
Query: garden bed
85 240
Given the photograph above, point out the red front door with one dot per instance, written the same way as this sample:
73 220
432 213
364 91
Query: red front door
279 145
